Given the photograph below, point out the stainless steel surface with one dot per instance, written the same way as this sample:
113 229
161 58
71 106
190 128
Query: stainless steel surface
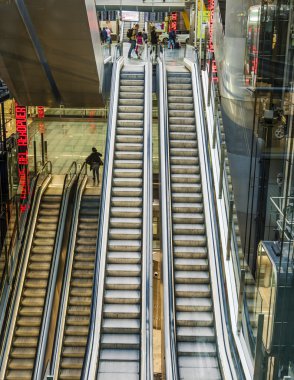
71 48
141 6
30 310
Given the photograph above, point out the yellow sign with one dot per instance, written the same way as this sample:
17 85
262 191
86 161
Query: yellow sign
205 20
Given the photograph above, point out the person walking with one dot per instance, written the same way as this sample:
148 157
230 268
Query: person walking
171 39
139 45
133 39
154 41
94 160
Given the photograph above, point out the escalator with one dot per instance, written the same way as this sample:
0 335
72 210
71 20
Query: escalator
80 279
119 354
195 333
24 342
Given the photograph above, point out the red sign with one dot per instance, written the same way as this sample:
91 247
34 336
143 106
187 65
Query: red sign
41 115
173 22
210 40
22 156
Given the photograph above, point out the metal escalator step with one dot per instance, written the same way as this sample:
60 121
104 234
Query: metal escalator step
23 353
183 144
127 182
192 290
182 86
84 265
130 109
127 192
181 106
126 222
123 283
130 123
113 355
88 226
77 330
31 311
78 312
194 318
126 201
184 152
124 258
180 93
118 368
180 99
37 258
130 147
34 292
128 212
132 102
130 116
192 277
27 331
73 352
29 321
123 341
21 364
125 245
190 264
182 128
123 270
75 340
85 257
35 266
25 342
40 242
195 334
127 173
81 283
181 120
81 273
47 220
193 304
89 249
188 229
202 373
70 374
187 197
125 233
190 240
128 155
192 252
86 241
122 310
76 301
39 250
186 188
187 207
122 296
130 95
184 160
35 274
43 234
184 169
32 301
87 233
19 375
128 164
117 376
69 363
196 349
181 217
186 178
121 326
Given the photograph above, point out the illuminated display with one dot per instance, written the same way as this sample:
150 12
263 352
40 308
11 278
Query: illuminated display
210 39
22 156
41 115
173 21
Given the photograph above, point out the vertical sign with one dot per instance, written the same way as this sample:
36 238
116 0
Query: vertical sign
210 39
41 115
173 21
22 156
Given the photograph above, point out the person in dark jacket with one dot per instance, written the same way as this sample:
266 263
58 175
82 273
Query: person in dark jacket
154 40
94 160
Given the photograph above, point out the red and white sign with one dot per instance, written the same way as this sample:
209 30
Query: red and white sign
173 22
41 115
210 40
22 156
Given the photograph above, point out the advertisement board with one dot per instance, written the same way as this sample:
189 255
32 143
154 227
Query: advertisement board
130 16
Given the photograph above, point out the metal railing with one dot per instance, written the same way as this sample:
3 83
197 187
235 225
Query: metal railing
93 343
235 265
46 313
42 179
59 331
170 344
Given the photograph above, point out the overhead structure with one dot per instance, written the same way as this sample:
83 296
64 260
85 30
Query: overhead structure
50 53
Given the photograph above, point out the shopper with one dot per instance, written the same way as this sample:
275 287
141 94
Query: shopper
139 45
154 41
94 160
104 35
133 39
145 37
171 39
108 38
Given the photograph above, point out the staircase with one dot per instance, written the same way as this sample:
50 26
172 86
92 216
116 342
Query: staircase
119 356
196 341
30 311
81 284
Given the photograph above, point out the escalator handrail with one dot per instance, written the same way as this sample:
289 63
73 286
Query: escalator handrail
62 310
93 342
146 369
20 276
229 363
68 182
170 344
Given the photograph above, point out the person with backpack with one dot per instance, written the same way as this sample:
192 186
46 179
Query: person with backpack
133 40
94 160
171 39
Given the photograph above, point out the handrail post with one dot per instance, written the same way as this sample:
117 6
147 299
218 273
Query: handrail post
241 299
221 171
258 362
35 157
230 225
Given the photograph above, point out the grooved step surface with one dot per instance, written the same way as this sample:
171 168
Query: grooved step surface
81 284
26 333
196 342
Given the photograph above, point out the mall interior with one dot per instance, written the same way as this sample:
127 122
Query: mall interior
147 189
